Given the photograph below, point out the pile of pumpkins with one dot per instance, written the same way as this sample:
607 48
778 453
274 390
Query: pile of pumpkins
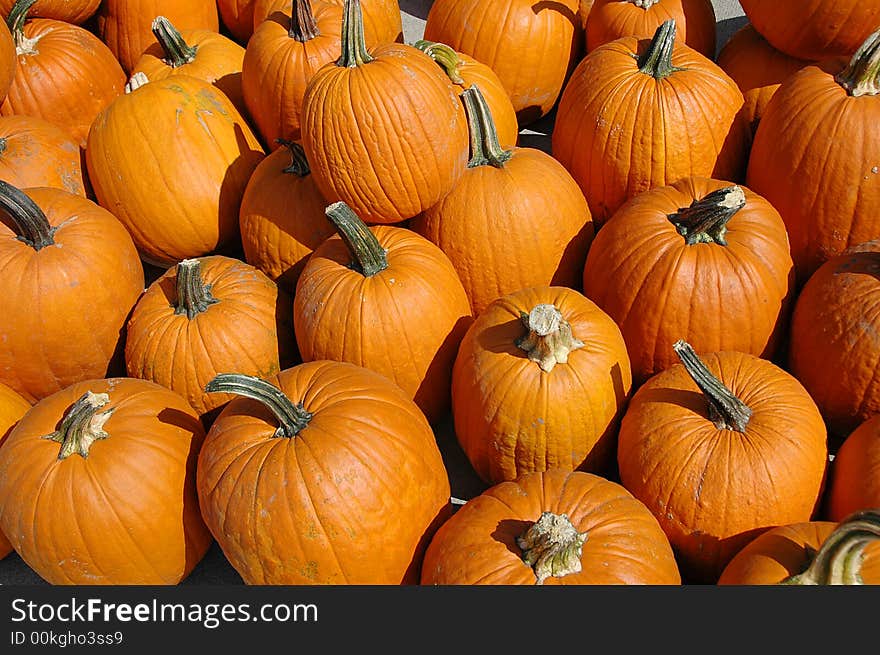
254 254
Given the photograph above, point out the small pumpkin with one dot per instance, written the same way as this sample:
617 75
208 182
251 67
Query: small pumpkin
553 527
98 485
12 408
36 153
540 381
855 472
721 448
326 473
387 299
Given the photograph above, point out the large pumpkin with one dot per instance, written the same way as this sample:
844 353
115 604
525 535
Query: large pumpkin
816 156
532 46
387 299
35 152
177 187
553 527
494 225
98 485
638 114
383 130
69 11
325 474
700 260
855 472
721 448
540 381
71 272
12 408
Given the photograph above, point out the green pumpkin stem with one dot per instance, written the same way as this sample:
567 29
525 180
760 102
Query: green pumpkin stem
657 60
28 220
193 295
552 546
485 148
445 56
15 21
549 339
862 76
82 425
368 254
177 52
299 164
303 26
705 221
839 559
354 46
726 411
292 418
3 144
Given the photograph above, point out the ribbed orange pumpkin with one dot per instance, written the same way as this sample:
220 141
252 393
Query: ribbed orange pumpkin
98 485
641 114
717 468
532 46
178 186
61 255
63 73
611 19
204 317
283 54
383 22
35 152
699 260
496 226
238 17
540 382
69 11
12 408
855 472
553 527
833 350
282 217
394 90
811 553
814 156
387 299
330 476
7 59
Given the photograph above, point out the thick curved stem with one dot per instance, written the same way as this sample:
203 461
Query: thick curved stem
30 223
552 546
303 26
485 148
705 221
193 295
177 52
445 56
299 164
15 22
862 76
549 340
292 418
82 425
354 46
368 254
726 411
657 60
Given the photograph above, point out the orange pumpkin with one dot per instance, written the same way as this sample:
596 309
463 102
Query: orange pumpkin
855 472
238 17
35 152
69 11
97 485
383 22
811 553
61 255
392 179
12 408
7 59
325 474
540 382
722 449
553 527
638 114
387 299
499 246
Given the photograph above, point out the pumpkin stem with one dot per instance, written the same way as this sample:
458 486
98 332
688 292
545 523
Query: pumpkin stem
299 165
726 411
644 4
303 26
705 221
552 546
354 46
193 295
657 60
368 253
549 339
177 52
292 418
839 559
82 425
28 220
862 76
3 144
136 81
485 149
443 55
15 22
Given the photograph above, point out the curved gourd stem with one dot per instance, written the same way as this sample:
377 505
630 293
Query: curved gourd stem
15 22
839 559
657 60
82 425
193 295
368 254
705 221
485 148
177 52
354 45
862 76
303 26
445 56
549 339
28 220
292 418
726 411
299 164
552 546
